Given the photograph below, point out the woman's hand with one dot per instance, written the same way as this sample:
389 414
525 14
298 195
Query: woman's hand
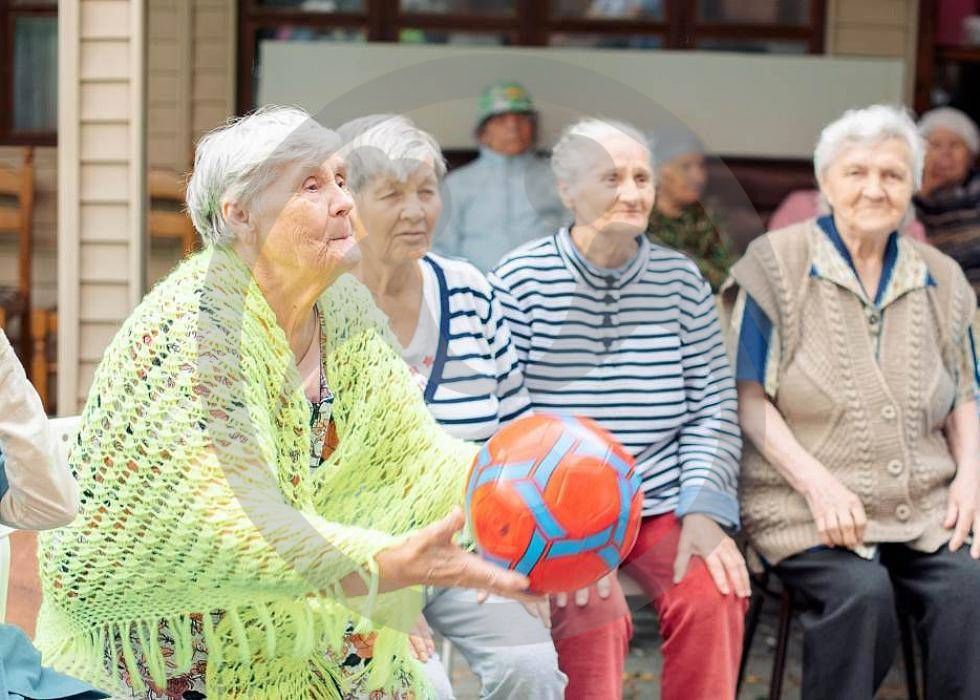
701 536
431 558
420 639
962 514
603 587
837 511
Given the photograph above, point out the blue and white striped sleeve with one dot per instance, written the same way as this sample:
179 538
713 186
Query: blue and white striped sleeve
710 441
517 322
511 392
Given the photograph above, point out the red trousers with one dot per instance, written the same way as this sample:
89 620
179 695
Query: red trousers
701 628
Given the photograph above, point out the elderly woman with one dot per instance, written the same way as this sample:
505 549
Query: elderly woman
948 203
36 492
254 456
857 379
453 338
679 219
611 326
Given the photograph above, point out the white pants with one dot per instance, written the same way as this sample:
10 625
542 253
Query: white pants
507 647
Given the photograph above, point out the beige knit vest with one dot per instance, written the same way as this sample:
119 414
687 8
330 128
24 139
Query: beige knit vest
874 420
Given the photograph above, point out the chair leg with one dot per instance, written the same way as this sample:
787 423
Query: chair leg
39 355
782 644
908 654
751 624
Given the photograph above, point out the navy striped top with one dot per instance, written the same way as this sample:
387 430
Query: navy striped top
640 351
475 383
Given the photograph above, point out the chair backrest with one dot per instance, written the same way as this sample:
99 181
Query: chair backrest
18 218
169 221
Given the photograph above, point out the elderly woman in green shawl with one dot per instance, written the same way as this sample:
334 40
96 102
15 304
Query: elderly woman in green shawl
262 487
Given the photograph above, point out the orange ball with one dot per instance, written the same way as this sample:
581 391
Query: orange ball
556 498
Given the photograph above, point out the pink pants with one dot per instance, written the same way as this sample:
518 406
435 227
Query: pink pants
701 628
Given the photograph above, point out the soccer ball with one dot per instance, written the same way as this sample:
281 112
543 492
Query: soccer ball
555 498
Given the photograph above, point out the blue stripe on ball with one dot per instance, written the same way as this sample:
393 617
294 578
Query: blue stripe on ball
535 548
539 509
567 548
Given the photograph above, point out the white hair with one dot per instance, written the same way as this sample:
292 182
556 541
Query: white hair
387 144
868 126
238 160
953 120
579 139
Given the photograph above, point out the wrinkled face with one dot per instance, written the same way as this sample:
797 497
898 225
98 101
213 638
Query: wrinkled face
302 219
614 190
682 179
948 158
508 134
397 218
869 186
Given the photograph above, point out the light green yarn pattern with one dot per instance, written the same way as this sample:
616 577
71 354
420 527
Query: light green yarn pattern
193 462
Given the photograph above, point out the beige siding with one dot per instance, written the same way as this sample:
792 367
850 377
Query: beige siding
887 28
190 75
213 92
101 182
168 83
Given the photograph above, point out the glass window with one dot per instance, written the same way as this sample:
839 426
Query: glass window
753 46
459 7
316 5
795 12
609 9
412 35
606 41
35 74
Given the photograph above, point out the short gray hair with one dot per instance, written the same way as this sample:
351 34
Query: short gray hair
954 120
567 155
387 144
238 160
867 126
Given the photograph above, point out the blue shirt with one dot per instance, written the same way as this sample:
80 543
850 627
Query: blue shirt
496 204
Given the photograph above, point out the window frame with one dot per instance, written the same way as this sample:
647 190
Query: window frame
8 16
531 24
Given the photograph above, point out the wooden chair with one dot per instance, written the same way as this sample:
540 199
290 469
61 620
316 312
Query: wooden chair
16 218
166 219
44 360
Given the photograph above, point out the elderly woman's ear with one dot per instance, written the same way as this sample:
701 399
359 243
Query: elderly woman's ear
565 194
240 221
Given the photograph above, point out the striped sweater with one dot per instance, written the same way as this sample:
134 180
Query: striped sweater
474 385
639 350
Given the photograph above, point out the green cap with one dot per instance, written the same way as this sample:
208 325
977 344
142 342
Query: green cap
503 98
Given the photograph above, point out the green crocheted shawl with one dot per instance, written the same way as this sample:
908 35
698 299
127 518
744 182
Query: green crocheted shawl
198 498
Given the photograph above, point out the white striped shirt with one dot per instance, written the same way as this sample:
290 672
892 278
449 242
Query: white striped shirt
640 351
474 384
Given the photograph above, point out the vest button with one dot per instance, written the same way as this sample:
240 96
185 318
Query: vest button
606 321
888 412
609 299
895 467
903 512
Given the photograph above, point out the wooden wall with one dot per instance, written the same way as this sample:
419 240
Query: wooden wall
101 176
